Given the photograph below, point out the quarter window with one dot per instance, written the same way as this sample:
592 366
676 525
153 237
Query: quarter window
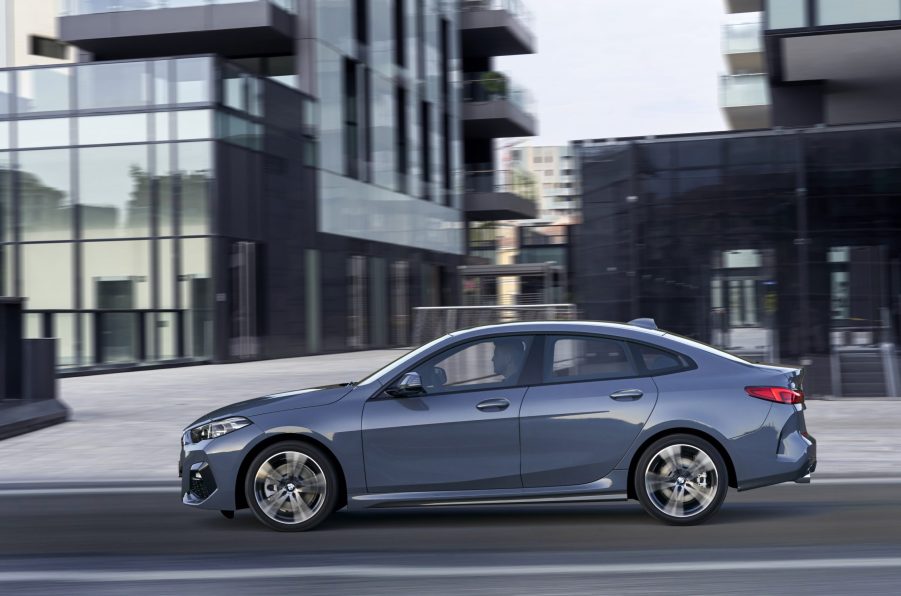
494 362
657 361
582 358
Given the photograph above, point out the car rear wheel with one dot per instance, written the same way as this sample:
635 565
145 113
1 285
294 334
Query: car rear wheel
291 486
681 480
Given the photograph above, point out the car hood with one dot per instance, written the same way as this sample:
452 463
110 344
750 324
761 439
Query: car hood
289 400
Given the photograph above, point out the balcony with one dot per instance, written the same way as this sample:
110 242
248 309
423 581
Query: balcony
743 47
124 29
737 6
496 195
494 107
495 28
746 100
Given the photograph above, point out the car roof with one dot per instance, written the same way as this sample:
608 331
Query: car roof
599 327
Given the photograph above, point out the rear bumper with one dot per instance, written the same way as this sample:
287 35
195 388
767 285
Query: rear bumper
795 462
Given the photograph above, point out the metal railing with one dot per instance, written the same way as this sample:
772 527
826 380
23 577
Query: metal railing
431 322
744 90
495 86
83 7
515 7
516 182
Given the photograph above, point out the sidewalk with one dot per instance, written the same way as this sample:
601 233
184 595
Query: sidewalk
126 427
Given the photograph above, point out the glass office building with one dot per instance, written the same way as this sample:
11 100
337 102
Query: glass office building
113 202
778 244
226 180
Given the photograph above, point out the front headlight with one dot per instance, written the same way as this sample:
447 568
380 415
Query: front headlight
217 428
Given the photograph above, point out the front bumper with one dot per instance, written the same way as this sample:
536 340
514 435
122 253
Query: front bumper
209 469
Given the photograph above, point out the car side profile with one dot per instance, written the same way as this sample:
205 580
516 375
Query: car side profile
511 414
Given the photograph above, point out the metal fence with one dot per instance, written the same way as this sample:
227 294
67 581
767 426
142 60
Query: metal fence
435 321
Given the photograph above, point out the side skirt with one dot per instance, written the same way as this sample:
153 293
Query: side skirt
611 488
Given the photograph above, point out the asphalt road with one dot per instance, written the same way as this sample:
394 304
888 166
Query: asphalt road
797 539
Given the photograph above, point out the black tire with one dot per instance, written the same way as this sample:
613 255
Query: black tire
668 487
314 481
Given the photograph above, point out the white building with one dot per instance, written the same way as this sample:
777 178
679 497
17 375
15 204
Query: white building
556 177
29 33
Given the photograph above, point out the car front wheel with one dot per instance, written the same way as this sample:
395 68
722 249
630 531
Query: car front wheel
681 480
291 486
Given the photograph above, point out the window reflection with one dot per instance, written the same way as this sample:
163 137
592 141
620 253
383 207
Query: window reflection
44 90
115 85
192 80
46 198
47 275
44 132
195 167
197 296
115 191
6 198
102 130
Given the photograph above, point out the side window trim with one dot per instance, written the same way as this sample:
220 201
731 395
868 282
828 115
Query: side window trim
547 370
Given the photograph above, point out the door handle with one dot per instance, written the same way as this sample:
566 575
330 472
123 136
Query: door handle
494 405
627 394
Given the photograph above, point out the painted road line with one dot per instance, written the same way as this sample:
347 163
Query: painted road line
57 490
400 572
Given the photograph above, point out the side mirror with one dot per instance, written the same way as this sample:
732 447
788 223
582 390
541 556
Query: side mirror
410 385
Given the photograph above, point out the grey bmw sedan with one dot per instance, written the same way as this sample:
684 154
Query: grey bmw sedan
511 414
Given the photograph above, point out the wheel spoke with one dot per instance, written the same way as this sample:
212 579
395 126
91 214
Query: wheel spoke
674 505
273 504
266 471
700 464
296 463
656 482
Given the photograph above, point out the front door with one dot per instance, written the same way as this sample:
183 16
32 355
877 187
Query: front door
461 432
578 424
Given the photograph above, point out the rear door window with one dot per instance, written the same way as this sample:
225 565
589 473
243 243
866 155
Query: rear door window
579 358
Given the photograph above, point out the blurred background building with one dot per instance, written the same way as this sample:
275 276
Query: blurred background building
779 243
29 34
217 179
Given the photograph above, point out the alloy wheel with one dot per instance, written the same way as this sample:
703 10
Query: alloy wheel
290 487
681 481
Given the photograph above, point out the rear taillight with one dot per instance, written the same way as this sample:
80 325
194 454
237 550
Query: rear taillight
780 395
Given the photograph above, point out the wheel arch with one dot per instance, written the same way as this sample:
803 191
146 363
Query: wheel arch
241 498
718 445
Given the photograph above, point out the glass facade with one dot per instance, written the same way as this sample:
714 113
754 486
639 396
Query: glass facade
106 207
361 80
788 14
774 244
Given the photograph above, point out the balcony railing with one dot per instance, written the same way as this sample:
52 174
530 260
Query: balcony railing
494 86
84 7
517 8
742 38
511 181
744 90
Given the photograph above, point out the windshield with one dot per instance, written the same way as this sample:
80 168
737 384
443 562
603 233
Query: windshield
401 360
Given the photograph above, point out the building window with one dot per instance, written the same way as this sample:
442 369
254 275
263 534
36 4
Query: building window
400 34
401 142
351 120
426 131
49 48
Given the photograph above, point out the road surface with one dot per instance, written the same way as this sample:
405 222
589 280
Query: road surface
831 537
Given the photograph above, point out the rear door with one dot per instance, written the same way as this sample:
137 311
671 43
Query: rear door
590 406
